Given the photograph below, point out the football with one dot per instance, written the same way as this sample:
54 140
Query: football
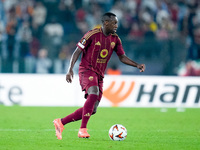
117 132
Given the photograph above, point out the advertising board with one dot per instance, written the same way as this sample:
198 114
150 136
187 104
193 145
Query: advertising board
119 91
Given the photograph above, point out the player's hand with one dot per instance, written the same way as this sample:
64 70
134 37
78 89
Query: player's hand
141 67
69 76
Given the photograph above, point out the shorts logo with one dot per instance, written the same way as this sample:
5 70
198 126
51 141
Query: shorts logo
112 44
104 53
91 78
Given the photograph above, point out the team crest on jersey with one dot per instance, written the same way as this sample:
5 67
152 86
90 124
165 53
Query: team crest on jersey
104 53
112 44
91 78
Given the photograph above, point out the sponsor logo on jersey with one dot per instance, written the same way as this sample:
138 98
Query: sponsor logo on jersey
102 61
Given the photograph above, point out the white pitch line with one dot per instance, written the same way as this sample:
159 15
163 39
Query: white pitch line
76 130
25 130
38 130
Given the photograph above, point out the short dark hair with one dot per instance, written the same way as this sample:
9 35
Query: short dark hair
107 16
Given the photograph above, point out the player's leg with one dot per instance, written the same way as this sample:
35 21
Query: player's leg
98 91
86 83
88 108
75 116
93 93
95 107
98 99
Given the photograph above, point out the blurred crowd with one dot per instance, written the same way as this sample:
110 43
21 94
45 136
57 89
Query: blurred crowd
39 36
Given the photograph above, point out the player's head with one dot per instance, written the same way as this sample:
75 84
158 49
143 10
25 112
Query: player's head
110 22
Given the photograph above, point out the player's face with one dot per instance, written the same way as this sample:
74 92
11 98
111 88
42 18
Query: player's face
112 24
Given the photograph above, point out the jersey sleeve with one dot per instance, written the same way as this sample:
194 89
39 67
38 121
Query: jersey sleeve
84 42
119 48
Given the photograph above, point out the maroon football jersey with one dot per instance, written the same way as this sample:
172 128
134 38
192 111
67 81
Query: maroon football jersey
97 50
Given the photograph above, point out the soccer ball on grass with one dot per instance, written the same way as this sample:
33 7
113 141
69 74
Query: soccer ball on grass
117 132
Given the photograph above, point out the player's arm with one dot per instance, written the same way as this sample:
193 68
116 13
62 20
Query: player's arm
124 59
73 60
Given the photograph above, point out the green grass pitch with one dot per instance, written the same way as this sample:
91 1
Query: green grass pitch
31 128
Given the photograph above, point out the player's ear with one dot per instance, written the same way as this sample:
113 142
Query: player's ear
106 22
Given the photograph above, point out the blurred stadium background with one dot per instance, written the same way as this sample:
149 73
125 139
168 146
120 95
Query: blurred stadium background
39 36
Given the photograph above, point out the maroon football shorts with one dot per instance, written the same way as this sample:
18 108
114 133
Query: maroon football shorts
90 78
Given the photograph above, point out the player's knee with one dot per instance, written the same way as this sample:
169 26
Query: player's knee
93 90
